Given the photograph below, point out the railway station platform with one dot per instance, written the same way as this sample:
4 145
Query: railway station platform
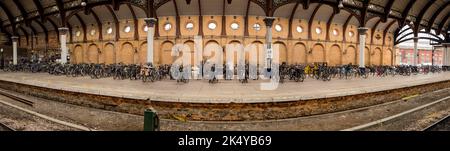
226 100
200 91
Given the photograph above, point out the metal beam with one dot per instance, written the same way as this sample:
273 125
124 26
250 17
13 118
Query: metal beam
311 20
99 25
406 12
441 25
246 33
26 34
10 17
55 27
387 10
44 29
291 18
386 31
23 12
116 21
436 14
40 9
177 19
136 24
346 26
83 25
62 12
363 16
420 16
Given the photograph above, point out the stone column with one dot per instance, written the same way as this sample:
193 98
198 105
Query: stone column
63 32
416 54
14 41
269 54
151 22
362 45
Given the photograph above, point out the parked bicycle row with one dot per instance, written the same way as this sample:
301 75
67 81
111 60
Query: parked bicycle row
285 72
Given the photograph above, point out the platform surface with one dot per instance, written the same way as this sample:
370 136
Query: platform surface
200 91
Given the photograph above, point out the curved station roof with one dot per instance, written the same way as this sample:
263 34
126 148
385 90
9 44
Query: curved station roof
431 17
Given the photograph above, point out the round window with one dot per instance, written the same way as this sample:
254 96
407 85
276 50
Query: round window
212 25
318 30
189 26
92 32
109 30
299 29
78 33
278 27
351 34
335 32
127 29
257 27
234 26
167 26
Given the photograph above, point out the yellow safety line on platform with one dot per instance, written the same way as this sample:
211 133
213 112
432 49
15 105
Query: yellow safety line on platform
49 118
381 121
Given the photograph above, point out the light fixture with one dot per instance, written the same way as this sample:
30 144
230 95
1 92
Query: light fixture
341 4
83 3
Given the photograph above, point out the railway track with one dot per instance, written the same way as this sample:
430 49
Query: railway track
4 127
16 98
33 113
396 116
437 124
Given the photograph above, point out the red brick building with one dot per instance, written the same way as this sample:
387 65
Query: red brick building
425 56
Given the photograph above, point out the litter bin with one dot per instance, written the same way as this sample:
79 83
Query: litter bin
151 120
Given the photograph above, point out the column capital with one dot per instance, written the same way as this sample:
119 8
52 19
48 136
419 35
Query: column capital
362 30
269 21
14 38
63 30
150 21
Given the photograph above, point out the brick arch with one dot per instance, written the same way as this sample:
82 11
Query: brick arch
109 53
282 49
214 57
299 54
166 52
77 54
260 51
335 55
376 56
316 54
349 55
141 57
91 54
126 53
387 57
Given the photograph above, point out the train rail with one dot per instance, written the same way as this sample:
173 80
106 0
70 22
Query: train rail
4 127
33 113
394 117
16 98
436 124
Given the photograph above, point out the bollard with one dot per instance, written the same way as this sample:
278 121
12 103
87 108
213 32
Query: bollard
151 120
